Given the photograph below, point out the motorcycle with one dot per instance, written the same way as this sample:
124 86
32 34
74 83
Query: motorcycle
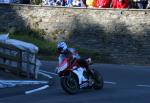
73 77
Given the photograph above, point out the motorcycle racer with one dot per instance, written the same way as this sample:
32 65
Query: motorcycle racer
74 71
72 54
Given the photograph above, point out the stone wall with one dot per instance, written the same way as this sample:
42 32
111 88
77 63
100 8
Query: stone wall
122 34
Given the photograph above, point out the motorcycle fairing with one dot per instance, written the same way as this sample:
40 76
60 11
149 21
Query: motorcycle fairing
79 72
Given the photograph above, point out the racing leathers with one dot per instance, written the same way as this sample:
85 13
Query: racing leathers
72 54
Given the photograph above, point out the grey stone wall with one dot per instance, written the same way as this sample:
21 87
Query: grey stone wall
122 34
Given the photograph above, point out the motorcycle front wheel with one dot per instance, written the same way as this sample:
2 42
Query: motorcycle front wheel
70 84
98 80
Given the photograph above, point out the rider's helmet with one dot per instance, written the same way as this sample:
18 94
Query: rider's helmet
62 46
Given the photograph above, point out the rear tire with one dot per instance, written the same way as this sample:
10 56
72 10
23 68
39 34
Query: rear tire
70 84
98 80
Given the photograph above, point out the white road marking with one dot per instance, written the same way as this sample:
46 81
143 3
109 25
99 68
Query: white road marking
13 83
108 82
38 89
23 81
48 72
143 86
4 85
46 75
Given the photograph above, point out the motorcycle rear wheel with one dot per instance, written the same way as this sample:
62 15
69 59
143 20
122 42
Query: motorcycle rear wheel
70 84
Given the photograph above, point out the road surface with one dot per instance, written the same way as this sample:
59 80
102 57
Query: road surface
122 84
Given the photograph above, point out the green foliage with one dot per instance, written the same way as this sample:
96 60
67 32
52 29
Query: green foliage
36 33
96 56
37 2
46 49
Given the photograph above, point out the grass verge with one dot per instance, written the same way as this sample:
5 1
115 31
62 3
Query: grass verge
48 50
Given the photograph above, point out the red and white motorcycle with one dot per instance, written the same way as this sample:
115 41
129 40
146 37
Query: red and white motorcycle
73 77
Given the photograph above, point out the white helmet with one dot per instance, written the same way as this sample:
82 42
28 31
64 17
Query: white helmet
61 46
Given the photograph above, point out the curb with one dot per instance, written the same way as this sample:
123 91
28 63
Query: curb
13 83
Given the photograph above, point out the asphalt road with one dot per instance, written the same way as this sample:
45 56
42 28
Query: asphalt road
123 84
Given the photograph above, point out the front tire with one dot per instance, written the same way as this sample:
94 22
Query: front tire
70 84
98 80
